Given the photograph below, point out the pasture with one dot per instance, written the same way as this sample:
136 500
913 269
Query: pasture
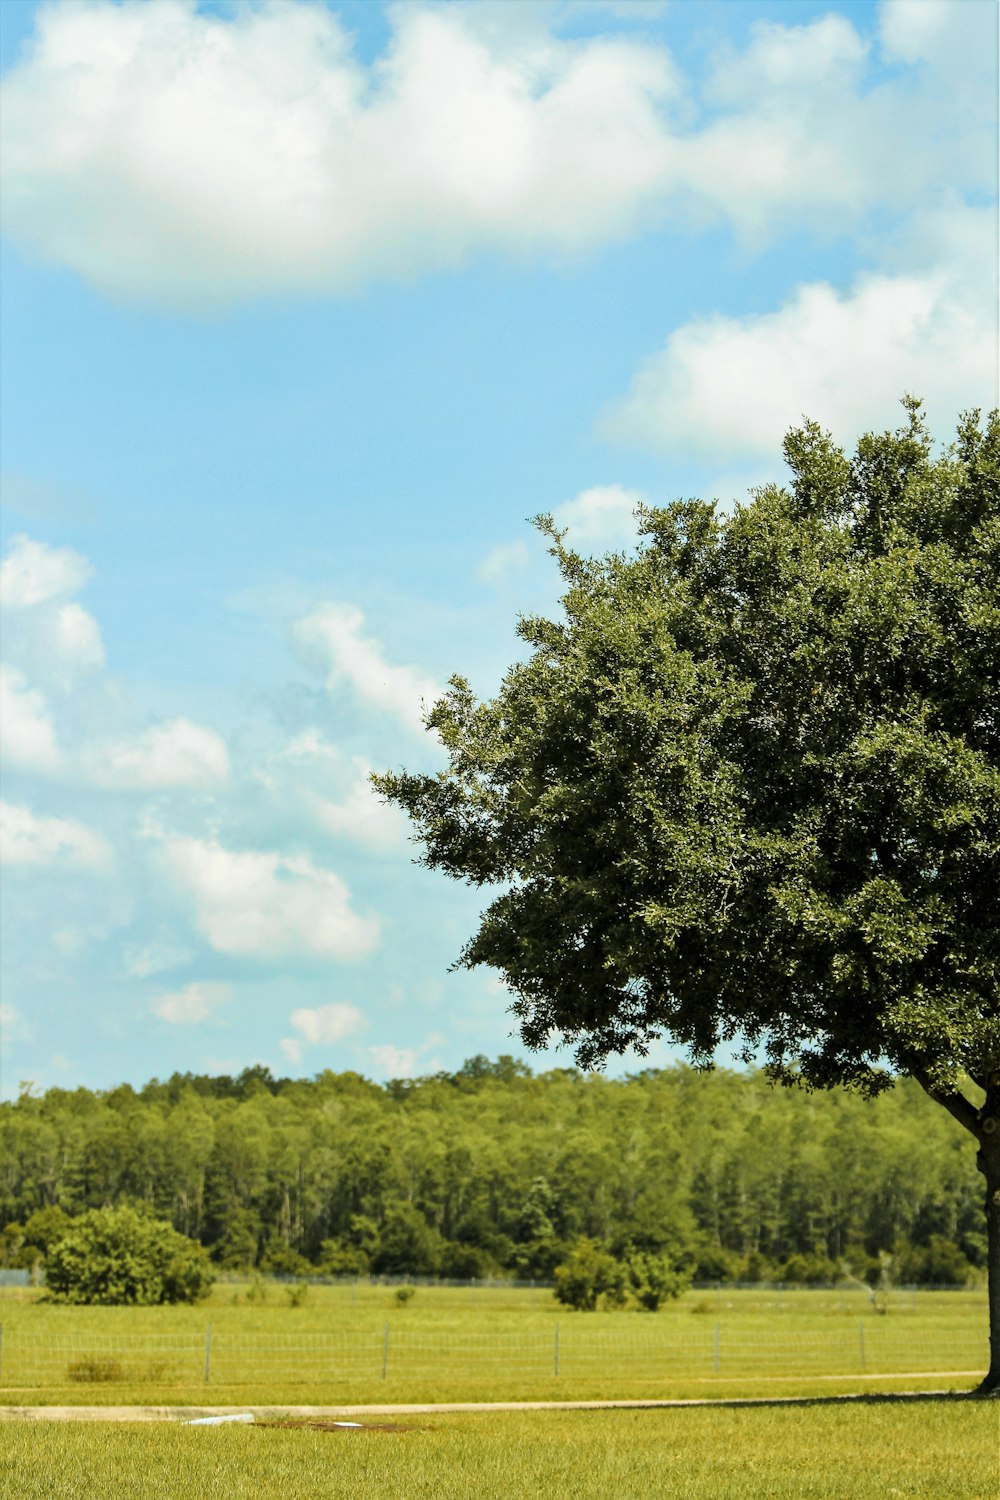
357 1344
929 1448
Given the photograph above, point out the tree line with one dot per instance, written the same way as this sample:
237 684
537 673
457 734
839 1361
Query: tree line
494 1170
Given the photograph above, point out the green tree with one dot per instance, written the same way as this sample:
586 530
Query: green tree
588 1275
749 785
119 1255
654 1279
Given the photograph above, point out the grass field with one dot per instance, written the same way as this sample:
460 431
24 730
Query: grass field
943 1449
482 1344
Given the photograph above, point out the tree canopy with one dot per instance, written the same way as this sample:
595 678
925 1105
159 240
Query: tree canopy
491 1171
122 1256
747 788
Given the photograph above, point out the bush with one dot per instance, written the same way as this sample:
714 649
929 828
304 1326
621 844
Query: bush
282 1260
940 1262
338 1258
654 1279
589 1275
466 1262
808 1270
121 1256
405 1294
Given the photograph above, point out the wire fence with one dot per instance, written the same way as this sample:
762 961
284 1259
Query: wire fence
30 1359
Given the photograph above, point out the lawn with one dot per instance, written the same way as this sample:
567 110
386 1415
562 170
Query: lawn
932 1448
355 1344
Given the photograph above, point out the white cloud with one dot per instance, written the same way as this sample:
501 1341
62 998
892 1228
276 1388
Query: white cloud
29 839
600 518
394 1062
361 816
167 153
196 1002
27 733
504 559
174 754
33 573
265 905
153 958
164 152
325 1024
913 30
730 387
331 635
76 639
292 1048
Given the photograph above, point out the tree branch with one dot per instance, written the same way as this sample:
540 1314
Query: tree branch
955 1103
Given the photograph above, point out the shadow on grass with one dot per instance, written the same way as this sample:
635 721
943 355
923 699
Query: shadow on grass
863 1398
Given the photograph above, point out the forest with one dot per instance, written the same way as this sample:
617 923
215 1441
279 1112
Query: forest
497 1171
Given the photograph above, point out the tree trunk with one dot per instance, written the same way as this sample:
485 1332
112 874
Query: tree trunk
984 1124
988 1161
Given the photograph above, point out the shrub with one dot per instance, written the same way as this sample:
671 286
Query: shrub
257 1290
466 1262
939 1262
588 1275
404 1294
282 1260
297 1294
89 1369
808 1270
654 1279
122 1256
338 1258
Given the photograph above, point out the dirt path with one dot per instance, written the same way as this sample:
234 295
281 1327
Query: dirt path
398 1409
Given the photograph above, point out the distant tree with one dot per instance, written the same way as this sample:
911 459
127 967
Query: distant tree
119 1255
749 785
408 1245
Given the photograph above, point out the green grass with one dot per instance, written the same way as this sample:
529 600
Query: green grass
947 1450
482 1344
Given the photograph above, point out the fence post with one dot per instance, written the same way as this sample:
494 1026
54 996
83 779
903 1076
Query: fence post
861 1345
715 1352
385 1349
208 1353
555 1353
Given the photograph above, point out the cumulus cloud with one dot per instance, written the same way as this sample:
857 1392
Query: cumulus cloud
27 732
164 152
174 754
328 1023
360 815
730 387
321 1025
332 636
394 1062
29 839
76 639
193 1004
600 518
261 904
58 637
32 573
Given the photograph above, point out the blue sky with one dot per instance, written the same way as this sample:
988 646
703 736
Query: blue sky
306 310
